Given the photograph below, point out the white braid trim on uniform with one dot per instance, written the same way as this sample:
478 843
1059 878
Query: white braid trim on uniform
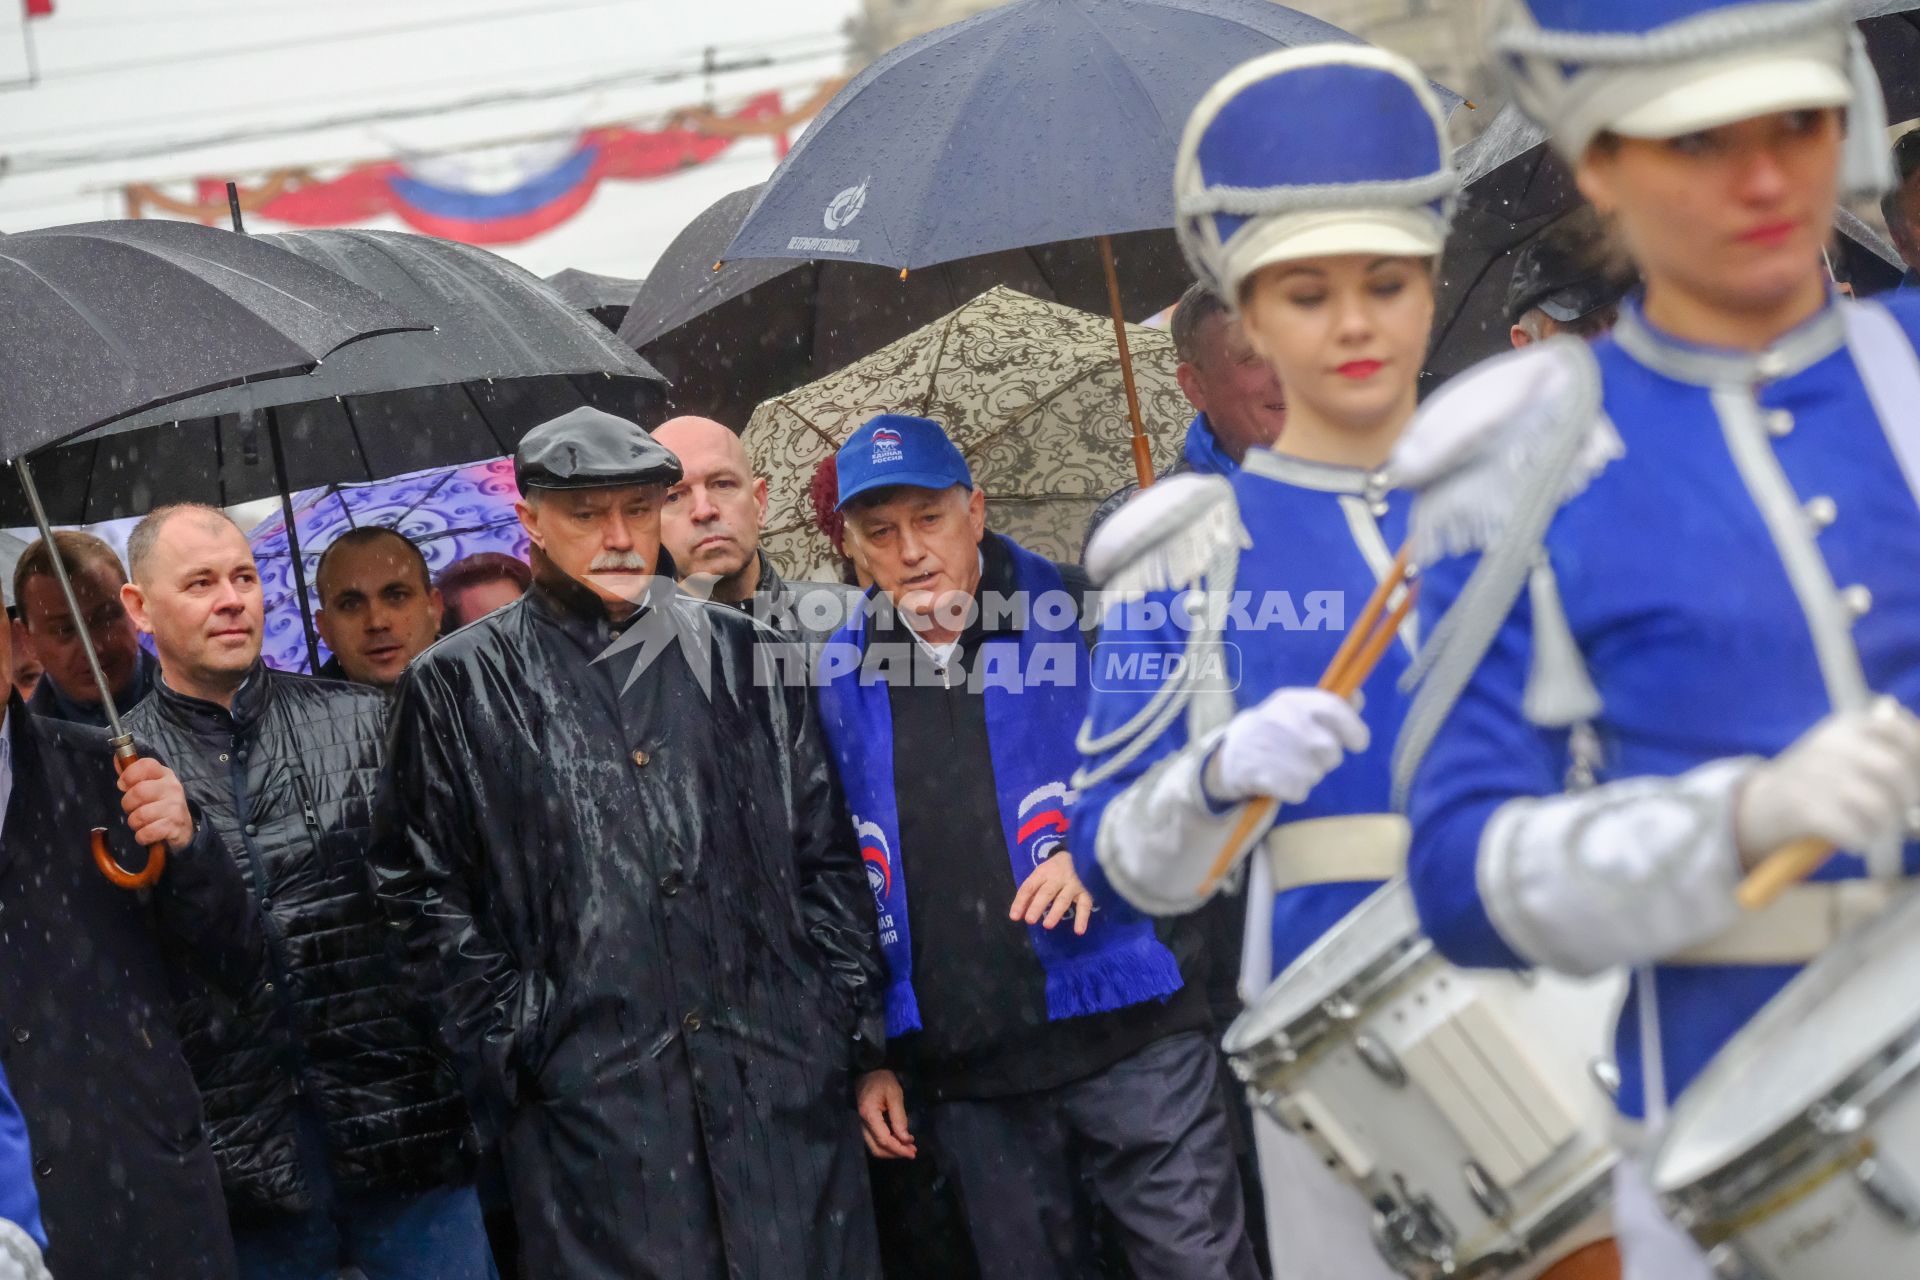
1394 193
1748 26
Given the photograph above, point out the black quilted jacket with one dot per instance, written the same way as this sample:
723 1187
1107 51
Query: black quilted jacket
287 778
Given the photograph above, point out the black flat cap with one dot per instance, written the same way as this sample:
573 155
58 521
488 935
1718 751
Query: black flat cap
587 448
1563 271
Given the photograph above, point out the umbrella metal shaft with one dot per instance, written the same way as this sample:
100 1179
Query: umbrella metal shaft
121 738
293 542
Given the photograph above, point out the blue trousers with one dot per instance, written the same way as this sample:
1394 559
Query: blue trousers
418 1235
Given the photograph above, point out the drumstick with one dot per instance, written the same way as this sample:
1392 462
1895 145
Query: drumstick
1780 871
1366 643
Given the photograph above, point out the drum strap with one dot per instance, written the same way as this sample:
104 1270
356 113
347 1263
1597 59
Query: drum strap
1801 924
1338 850
1890 370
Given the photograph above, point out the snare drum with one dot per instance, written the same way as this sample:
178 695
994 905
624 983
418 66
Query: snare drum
1797 1151
1468 1107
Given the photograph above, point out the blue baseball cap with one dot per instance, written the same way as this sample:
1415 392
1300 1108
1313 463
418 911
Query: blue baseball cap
896 448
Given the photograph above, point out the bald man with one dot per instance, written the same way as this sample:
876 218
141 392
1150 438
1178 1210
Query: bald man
711 527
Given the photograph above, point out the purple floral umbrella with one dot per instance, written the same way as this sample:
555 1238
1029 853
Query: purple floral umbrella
449 513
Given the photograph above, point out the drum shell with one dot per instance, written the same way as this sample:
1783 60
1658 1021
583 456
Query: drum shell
1324 1078
1834 1196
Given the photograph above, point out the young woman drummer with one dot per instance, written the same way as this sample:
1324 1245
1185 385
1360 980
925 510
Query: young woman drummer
1315 189
1692 634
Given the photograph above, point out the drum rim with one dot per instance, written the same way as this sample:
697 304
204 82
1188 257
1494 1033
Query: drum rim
1729 1188
1839 1091
1347 1005
1360 986
1592 1187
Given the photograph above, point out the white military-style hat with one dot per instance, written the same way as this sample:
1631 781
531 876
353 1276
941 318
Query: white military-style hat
1312 152
1663 68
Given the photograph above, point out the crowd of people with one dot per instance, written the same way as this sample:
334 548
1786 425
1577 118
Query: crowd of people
636 911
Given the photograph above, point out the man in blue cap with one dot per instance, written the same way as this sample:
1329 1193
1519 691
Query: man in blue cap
1050 1045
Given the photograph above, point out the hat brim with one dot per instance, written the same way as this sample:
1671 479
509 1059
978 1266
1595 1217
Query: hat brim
1337 235
665 473
1740 90
908 479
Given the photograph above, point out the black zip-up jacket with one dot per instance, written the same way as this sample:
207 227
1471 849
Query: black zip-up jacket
287 779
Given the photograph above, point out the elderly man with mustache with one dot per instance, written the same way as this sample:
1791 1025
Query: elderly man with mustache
609 843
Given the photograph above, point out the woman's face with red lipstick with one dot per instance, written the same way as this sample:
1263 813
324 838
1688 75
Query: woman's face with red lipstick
1346 334
1733 218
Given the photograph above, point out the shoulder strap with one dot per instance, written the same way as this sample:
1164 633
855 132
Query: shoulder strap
1890 369
1463 636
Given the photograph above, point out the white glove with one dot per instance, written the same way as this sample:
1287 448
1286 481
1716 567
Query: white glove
1284 746
1850 781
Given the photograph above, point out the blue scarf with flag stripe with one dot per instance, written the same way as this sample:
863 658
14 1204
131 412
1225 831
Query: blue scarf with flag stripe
1035 683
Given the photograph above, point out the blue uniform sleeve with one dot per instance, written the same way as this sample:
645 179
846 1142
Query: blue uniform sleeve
1141 646
1485 754
19 1200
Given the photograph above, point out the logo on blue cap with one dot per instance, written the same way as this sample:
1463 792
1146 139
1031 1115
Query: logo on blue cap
896 449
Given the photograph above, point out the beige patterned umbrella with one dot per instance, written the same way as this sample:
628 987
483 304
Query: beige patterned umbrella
1030 391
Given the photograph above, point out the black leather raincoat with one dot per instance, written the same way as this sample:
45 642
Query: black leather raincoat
645 921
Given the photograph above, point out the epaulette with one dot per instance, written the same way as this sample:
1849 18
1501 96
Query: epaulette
1170 536
1180 534
1474 449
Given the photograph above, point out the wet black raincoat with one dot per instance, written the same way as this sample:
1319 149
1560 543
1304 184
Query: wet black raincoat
648 930
88 977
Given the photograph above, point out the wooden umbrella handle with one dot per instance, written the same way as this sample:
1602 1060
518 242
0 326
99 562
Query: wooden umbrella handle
109 866
1781 870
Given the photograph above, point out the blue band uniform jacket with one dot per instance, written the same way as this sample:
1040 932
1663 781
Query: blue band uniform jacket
1747 562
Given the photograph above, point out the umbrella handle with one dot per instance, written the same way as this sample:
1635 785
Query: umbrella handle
103 858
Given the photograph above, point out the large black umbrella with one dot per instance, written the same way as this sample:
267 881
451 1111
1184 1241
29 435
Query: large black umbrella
733 334
103 319
505 354
1513 186
605 298
1892 28
1032 123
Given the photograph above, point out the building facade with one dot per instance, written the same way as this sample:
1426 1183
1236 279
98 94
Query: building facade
1443 36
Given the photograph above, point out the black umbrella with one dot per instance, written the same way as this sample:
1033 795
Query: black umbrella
103 319
731 335
1892 28
106 318
505 354
1513 186
605 298
1034 122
